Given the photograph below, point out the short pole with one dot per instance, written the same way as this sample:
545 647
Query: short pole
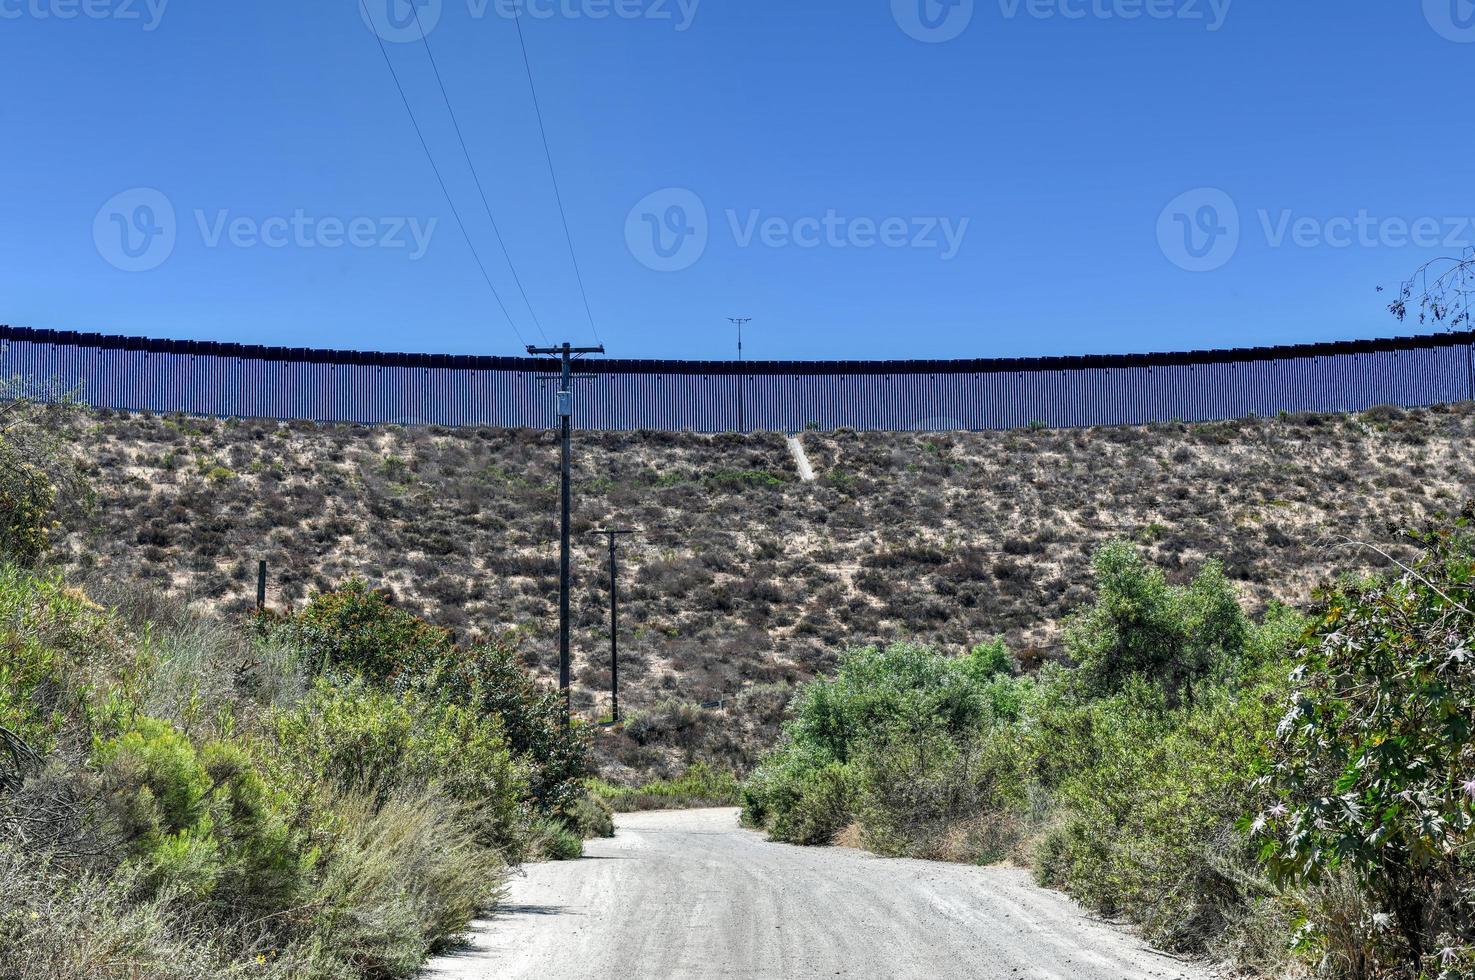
261 585
614 622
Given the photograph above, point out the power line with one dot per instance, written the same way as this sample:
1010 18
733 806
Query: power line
425 40
439 179
557 194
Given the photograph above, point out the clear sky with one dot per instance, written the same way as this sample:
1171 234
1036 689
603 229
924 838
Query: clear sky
864 178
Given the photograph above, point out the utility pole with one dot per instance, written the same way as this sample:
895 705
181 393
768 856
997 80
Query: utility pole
565 378
740 322
614 622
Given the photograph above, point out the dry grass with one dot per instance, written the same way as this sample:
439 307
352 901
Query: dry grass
743 577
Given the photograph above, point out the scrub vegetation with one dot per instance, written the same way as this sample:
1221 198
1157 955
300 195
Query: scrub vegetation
1103 655
745 581
1288 792
332 794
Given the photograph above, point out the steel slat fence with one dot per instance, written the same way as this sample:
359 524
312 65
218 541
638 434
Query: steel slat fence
409 389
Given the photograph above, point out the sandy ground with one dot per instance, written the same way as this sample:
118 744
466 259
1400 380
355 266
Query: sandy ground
691 895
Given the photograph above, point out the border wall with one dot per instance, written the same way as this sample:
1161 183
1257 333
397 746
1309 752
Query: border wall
229 380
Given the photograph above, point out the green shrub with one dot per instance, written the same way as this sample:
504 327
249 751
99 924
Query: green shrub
491 679
200 823
361 739
1373 765
557 841
1147 802
591 817
929 795
40 482
56 924
814 806
1142 627
899 697
356 629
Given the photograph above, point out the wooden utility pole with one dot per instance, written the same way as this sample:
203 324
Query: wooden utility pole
566 355
614 622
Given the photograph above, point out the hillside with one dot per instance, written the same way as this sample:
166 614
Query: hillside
744 578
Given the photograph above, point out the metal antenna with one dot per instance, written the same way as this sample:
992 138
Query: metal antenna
614 621
740 322
565 378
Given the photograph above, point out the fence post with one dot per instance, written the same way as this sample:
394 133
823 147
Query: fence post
261 585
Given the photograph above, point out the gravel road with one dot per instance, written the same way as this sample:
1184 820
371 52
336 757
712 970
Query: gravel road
691 895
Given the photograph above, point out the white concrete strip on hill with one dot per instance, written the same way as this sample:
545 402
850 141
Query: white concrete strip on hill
692 896
801 459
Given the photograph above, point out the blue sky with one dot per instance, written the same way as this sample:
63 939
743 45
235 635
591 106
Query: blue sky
864 178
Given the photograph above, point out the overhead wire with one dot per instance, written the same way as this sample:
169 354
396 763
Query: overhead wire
553 175
475 175
389 63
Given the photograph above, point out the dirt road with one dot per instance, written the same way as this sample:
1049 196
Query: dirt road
691 895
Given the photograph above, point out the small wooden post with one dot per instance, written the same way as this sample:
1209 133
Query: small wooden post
261 585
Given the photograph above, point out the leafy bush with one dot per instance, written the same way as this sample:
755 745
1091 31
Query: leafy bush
591 817
1140 626
1373 766
256 826
361 739
355 629
942 797
1147 797
199 823
40 483
1121 778
892 722
557 841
